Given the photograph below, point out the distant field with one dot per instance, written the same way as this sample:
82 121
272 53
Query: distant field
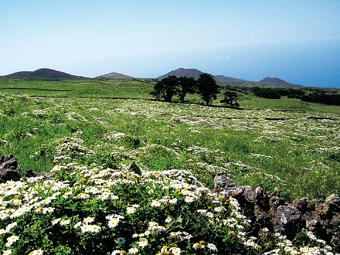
116 89
286 142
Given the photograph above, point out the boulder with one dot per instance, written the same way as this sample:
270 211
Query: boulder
223 183
9 170
133 167
301 204
329 207
287 220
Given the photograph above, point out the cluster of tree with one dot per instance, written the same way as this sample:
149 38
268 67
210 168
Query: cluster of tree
205 86
322 97
276 93
292 93
266 93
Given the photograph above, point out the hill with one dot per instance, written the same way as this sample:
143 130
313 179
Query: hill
44 74
225 79
195 73
274 80
183 72
114 76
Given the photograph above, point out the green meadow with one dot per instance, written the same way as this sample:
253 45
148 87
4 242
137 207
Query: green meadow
270 142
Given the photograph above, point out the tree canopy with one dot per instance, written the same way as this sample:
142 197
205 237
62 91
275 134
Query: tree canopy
166 88
230 99
186 85
207 88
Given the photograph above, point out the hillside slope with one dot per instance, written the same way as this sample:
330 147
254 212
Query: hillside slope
114 76
44 74
183 72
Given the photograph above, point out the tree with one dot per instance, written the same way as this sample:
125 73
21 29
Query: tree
186 85
166 88
207 88
230 99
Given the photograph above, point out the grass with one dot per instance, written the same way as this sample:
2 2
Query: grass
286 142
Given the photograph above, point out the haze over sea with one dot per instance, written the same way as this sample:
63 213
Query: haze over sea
298 41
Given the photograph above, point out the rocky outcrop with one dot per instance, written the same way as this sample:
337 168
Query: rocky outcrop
268 210
9 169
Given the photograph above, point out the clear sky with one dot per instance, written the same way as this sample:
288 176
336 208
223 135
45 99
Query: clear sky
298 41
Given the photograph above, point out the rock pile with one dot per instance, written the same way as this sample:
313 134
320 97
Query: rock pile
268 210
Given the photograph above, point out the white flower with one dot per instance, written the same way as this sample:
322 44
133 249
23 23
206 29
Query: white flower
48 210
199 245
143 242
56 168
20 211
133 251
64 222
36 252
211 247
10 240
219 209
90 229
113 220
189 199
155 203
173 201
3 215
130 210
7 252
11 226
168 219
175 250
56 221
77 225
88 220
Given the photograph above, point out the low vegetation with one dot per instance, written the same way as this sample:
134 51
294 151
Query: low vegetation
88 130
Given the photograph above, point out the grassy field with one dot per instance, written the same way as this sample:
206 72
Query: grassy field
286 142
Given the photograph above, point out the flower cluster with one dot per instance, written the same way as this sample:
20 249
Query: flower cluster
167 212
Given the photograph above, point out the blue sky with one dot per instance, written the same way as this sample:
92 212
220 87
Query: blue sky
298 41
